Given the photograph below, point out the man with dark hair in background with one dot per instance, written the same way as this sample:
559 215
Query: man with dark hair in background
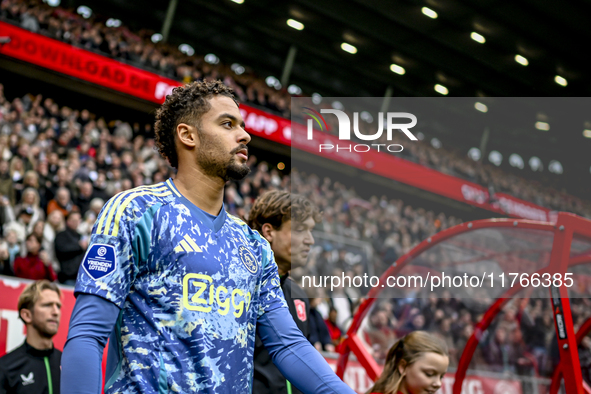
34 367
286 221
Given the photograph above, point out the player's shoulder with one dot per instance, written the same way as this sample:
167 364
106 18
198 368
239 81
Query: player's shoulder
130 205
241 225
236 220
141 197
10 358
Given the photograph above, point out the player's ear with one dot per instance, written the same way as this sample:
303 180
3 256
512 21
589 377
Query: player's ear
402 367
267 231
26 315
187 135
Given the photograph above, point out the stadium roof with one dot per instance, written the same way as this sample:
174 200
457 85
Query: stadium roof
432 51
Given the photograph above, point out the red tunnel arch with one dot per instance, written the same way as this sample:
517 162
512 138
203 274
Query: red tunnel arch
564 230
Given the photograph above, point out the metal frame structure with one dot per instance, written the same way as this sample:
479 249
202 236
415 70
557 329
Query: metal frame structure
583 331
566 227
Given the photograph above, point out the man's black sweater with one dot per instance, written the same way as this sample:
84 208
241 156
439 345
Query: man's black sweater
267 378
27 370
69 253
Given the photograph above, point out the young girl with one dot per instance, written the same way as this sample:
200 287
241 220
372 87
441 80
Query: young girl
414 365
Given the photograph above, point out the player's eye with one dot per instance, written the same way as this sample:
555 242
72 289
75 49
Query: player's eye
227 123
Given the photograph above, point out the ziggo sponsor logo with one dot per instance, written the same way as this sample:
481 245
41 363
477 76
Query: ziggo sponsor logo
198 296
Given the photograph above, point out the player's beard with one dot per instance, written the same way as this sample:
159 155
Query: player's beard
44 329
210 160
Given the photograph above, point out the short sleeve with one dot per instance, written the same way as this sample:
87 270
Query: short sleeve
271 296
108 268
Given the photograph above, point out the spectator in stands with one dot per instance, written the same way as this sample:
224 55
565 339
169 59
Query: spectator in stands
524 360
38 228
509 319
14 250
415 323
90 216
498 353
444 332
585 359
477 357
6 213
34 367
36 264
30 200
6 182
23 225
31 181
341 302
69 249
380 333
5 266
335 332
85 196
320 336
55 224
62 179
429 311
61 202
17 172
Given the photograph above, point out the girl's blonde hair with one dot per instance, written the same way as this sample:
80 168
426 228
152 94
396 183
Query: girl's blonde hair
34 192
408 350
32 175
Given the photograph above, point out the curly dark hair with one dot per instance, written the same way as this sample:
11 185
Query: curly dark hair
186 104
277 207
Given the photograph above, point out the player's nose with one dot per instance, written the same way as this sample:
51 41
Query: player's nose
309 239
243 137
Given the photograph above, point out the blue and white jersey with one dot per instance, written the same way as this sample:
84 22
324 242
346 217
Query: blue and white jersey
190 287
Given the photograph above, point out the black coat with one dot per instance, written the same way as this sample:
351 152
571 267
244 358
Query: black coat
69 253
318 330
24 371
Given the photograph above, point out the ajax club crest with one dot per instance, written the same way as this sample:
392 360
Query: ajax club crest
248 259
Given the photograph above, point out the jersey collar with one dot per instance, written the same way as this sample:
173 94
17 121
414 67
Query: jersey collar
37 352
213 222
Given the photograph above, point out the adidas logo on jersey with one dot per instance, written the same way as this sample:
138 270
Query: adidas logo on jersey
187 245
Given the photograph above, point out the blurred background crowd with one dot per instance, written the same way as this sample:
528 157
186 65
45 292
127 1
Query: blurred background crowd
58 166
138 49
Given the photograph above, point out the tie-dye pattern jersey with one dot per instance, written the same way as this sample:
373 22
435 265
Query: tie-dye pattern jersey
190 288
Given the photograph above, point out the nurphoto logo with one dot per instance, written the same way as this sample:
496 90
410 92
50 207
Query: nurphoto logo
345 129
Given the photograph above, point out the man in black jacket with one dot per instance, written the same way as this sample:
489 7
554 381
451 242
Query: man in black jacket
34 367
70 249
286 221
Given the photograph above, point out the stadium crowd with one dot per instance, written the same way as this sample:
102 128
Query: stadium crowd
455 163
521 340
138 49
